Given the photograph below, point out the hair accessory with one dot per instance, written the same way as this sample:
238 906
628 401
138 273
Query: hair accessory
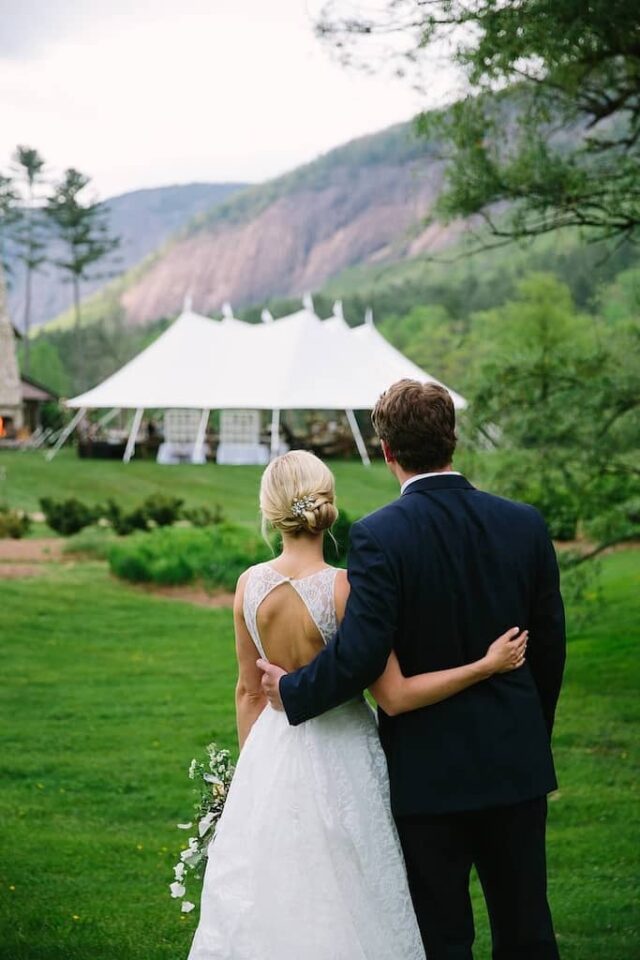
300 507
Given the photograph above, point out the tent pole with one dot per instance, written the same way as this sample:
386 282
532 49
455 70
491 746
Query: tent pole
357 436
68 430
201 434
133 435
275 433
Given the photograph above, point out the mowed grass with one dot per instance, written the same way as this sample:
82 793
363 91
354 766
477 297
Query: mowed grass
28 477
108 692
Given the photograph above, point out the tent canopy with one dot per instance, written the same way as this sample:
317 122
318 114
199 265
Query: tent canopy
298 362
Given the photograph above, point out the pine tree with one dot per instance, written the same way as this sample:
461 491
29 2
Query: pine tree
82 229
29 235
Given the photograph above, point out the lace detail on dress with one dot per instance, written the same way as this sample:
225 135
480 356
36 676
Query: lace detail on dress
316 592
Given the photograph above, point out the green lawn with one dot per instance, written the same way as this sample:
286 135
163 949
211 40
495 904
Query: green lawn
28 476
108 692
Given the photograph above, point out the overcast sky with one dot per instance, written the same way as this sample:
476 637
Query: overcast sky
141 93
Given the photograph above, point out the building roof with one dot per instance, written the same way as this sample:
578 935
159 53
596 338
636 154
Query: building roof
32 390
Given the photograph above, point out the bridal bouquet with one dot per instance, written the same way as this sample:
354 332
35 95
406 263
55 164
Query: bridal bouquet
213 779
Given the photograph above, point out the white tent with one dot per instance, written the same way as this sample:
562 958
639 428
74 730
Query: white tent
297 362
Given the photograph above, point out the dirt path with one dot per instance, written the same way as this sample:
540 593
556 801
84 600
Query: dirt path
191 594
30 551
15 571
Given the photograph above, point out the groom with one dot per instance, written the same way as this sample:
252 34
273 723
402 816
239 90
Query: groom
436 575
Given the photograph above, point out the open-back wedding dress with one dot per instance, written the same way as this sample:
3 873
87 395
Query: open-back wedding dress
306 863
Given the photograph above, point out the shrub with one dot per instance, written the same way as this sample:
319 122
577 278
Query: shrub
125 523
67 516
204 516
13 523
161 509
217 555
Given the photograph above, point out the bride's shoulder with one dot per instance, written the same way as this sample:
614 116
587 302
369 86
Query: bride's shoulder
246 576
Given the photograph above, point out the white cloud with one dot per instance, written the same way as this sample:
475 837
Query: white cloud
157 92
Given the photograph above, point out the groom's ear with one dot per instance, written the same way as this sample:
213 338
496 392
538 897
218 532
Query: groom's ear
388 456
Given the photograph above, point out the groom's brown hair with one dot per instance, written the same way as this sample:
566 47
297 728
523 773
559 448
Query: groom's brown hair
418 423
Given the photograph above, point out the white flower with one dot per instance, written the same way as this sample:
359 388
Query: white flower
187 906
209 777
178 870
177 889
205 823
192 768
185 826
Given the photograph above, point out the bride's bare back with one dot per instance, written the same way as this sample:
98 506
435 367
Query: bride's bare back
290 619
287 630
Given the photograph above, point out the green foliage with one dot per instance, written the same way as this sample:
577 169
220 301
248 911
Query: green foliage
203 516
123 522
67 516
47 364
162 509
158 509
336 545
217 555
557 395
559 140
13 523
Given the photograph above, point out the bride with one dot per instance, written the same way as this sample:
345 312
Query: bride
306 863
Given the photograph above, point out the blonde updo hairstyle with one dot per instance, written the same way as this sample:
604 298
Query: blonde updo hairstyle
297 495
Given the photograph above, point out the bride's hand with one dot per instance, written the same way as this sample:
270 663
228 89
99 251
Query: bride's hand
508 651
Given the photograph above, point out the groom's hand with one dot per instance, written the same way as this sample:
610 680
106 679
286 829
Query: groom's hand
271 676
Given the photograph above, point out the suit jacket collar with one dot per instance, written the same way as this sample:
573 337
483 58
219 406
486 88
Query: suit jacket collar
444 481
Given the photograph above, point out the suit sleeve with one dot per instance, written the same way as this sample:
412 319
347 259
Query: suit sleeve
359 652
547 646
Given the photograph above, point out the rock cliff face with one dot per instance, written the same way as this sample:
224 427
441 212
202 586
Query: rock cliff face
366 202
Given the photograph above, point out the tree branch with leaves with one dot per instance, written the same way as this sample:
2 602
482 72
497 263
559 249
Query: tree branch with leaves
547 134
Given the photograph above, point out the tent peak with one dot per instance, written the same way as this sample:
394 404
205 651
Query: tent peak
227 311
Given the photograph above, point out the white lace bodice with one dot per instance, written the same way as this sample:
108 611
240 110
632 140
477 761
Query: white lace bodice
316 592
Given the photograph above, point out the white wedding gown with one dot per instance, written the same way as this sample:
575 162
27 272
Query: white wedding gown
306 862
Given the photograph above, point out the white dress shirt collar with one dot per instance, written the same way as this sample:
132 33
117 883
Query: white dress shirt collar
435 473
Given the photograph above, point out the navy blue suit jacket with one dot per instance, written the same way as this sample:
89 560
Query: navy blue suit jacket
437 575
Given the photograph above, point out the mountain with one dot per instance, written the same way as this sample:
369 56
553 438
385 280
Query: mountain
362 203
144 219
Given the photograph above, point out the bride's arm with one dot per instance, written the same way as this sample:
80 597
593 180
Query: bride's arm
396 693
250 700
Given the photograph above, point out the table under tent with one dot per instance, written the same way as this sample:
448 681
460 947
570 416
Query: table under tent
296 363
